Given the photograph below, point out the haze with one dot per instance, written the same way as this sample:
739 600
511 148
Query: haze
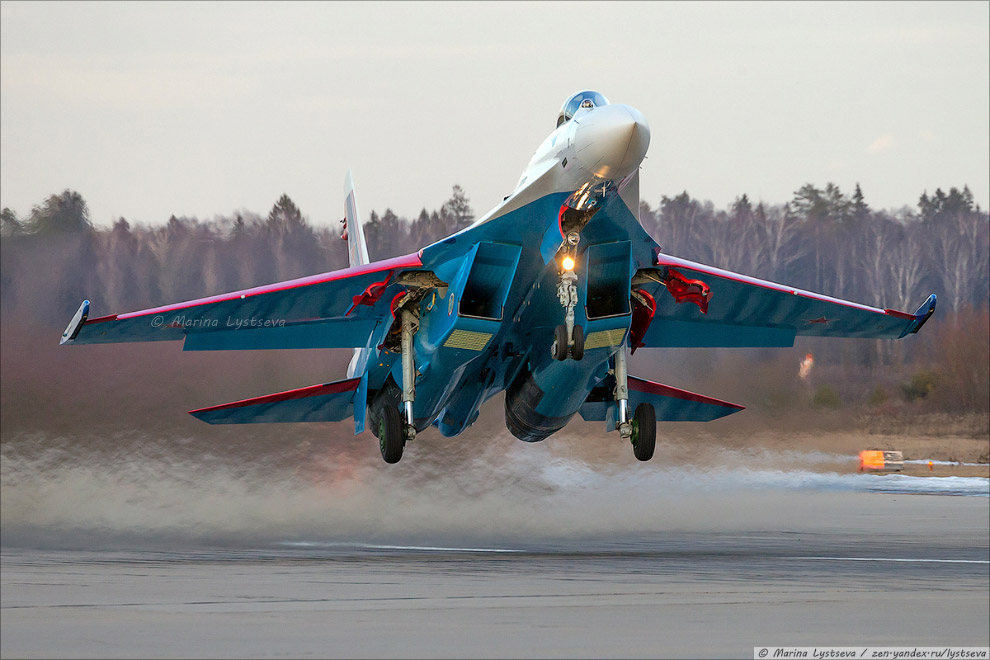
198 109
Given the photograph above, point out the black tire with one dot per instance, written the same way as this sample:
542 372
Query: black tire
390 437
577 350
560 343
644 437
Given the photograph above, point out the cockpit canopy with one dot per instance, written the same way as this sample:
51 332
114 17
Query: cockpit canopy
585 99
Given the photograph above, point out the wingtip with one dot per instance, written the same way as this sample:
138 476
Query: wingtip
920 317
76 324
924 313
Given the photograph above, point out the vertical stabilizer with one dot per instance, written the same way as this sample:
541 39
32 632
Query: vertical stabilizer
629 192
357 255
357 247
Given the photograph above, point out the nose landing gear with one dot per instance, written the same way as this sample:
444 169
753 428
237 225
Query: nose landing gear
562 347
568 337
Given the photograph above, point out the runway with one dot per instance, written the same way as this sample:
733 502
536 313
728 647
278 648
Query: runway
826 568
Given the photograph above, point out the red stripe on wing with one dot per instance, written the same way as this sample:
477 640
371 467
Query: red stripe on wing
407 261
101 319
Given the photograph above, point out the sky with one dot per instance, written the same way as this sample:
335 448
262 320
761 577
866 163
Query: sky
202 109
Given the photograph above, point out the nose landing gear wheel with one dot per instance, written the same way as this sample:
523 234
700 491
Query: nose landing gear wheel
560 343
560 347
644 434
390 436
577 350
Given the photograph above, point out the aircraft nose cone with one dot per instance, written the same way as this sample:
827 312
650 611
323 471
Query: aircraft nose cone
612 140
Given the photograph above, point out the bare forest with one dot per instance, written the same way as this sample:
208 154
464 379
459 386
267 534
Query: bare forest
823 239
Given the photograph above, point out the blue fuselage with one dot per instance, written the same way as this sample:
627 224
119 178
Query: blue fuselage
492 329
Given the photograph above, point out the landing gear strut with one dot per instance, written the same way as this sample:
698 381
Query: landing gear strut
568 337
641 430
622 394
409 327
395 428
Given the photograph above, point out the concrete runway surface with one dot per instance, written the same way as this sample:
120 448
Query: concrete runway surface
856 569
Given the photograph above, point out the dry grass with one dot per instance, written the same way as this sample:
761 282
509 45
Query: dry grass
934 425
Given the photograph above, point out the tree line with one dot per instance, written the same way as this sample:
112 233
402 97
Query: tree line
826 241
55 257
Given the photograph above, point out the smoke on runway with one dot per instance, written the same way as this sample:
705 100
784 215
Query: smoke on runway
138 489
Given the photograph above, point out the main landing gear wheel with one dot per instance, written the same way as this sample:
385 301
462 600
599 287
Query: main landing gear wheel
560 343
391 438
644 434
577 350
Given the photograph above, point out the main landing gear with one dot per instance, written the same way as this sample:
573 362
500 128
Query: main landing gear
568 337
641 430
390 436
410 324
391 412
395 427
644 432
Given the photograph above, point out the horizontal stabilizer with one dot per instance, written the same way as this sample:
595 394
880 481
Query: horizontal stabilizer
670 403
330 402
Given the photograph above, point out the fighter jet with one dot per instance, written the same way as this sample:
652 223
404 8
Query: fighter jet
541 298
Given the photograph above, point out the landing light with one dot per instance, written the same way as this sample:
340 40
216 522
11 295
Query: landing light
567 263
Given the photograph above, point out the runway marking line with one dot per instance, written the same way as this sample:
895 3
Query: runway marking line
932 561
373 546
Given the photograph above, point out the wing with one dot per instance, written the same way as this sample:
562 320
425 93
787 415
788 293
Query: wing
670 403
339 309
695 305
